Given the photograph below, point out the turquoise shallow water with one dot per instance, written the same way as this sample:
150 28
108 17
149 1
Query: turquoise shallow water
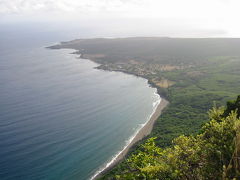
62 119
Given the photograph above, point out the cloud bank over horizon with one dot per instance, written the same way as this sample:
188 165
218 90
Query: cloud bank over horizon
196 17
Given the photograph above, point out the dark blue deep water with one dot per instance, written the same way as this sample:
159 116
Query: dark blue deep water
61 119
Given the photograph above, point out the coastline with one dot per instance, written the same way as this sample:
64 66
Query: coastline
144 131
141 133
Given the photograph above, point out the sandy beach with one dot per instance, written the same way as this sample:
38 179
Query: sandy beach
146 130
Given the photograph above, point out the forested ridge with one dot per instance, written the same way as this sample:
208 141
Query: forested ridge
213 153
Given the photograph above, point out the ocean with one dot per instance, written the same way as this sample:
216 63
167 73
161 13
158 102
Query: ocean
60 118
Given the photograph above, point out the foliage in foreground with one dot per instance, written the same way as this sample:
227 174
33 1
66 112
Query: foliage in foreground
212 154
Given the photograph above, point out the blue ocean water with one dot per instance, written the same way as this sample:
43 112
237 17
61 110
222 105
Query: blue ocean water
61 119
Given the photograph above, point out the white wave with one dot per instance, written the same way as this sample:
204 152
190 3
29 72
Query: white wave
128 142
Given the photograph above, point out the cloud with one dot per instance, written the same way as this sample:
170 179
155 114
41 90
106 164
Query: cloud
146 7
209 15
26 6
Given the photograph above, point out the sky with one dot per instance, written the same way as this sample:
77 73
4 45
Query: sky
176 18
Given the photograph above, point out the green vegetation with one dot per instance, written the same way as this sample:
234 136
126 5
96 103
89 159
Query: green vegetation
214 153
195 91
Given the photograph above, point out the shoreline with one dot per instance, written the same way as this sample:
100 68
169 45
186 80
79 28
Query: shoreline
143 132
